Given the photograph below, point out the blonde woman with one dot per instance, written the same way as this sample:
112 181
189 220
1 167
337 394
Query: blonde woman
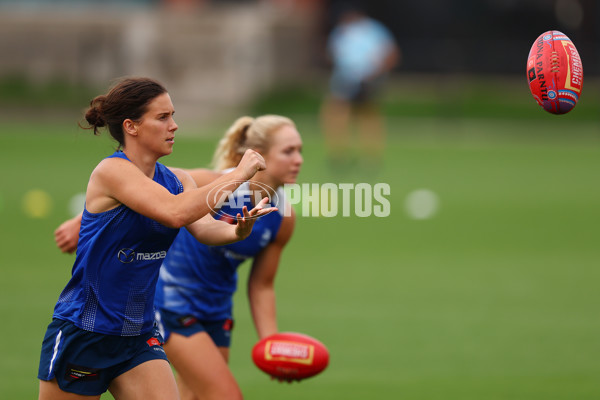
197 282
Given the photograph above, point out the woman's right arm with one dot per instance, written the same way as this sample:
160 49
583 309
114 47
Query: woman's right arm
116 181
66 235
203 176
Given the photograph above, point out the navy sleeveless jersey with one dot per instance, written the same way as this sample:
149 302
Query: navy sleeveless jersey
119 254
200 280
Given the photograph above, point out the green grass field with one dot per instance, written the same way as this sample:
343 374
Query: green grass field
494 297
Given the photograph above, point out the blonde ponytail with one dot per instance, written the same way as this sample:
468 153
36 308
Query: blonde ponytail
230 149
246 133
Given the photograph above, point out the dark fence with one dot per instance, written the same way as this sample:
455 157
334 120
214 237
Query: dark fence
481 36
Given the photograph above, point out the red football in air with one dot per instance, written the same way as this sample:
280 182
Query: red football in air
555 72
290 356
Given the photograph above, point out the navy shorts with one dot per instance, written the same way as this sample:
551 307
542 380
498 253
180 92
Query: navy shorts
355 92
187 325
85 362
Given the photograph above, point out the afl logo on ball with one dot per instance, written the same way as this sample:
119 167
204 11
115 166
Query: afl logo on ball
126 255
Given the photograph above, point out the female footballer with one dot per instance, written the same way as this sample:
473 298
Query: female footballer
197 282
102 336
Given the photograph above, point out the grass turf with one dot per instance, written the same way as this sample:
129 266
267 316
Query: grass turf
495 297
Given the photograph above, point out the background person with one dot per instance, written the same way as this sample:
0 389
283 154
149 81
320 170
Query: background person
102 336
362 52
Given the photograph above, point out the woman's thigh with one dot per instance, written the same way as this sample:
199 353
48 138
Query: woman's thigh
49 390
202 367
151 380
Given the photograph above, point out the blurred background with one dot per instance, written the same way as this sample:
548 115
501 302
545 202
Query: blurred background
219 55
480 284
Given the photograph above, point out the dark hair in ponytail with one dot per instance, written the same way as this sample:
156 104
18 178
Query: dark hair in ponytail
127 99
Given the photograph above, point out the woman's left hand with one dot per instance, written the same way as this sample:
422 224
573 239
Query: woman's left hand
246 221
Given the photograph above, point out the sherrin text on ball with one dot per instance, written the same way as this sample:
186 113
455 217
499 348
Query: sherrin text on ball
555 72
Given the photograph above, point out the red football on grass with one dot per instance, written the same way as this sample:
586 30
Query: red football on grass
555 72
290 356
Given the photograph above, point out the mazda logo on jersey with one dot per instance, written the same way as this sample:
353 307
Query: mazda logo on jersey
126 255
